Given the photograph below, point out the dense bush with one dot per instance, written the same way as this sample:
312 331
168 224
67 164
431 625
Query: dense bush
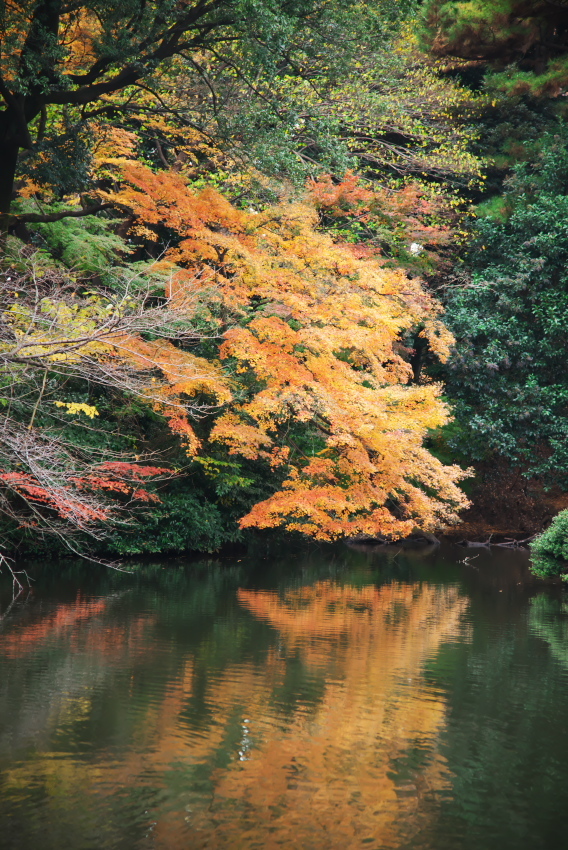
181 522
549 551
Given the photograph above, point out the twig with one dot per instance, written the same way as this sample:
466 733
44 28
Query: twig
468 559
38 401
17 586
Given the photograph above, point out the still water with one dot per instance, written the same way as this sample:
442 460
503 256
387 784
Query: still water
331 699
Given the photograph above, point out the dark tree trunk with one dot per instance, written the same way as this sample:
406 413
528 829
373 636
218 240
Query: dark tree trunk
8 161
14 135
418 356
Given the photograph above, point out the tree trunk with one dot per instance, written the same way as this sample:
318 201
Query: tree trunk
8 162
18 112
418 356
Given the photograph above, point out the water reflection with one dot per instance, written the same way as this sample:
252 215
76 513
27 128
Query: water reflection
548 619
326 705
327 778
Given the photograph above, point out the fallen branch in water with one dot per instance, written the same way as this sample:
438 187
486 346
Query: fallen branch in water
511 543
477 544
508 543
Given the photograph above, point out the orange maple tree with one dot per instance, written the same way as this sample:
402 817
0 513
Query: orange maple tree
314 338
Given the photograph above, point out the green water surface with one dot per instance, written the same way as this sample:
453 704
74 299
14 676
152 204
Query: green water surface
335 698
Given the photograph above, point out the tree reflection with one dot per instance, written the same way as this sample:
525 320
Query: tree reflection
221 718
326 779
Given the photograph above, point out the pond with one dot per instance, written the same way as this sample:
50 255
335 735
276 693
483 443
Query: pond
334 698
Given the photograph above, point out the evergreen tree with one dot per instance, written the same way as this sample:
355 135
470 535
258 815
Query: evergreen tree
510 320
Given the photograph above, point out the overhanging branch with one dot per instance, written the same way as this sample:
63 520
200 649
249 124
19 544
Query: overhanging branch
40 218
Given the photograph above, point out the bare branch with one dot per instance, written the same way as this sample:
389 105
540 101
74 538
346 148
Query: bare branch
53 329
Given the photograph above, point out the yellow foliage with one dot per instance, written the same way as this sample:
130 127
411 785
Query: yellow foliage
74 407
111 144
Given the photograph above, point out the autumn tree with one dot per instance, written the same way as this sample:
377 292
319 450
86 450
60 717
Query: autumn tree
280 360
408 225
314 338
381 107
60 60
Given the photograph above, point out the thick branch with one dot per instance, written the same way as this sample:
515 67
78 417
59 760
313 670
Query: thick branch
36 218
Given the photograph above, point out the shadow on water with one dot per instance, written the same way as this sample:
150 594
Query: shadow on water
333 698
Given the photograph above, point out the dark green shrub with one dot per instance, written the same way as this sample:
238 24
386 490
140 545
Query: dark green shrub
181 522
507 377
549 551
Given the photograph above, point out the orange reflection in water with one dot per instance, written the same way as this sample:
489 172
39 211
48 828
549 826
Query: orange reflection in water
325 779
317 774
65 617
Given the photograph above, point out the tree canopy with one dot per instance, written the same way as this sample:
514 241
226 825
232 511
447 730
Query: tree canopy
63 58
256 254
510 319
